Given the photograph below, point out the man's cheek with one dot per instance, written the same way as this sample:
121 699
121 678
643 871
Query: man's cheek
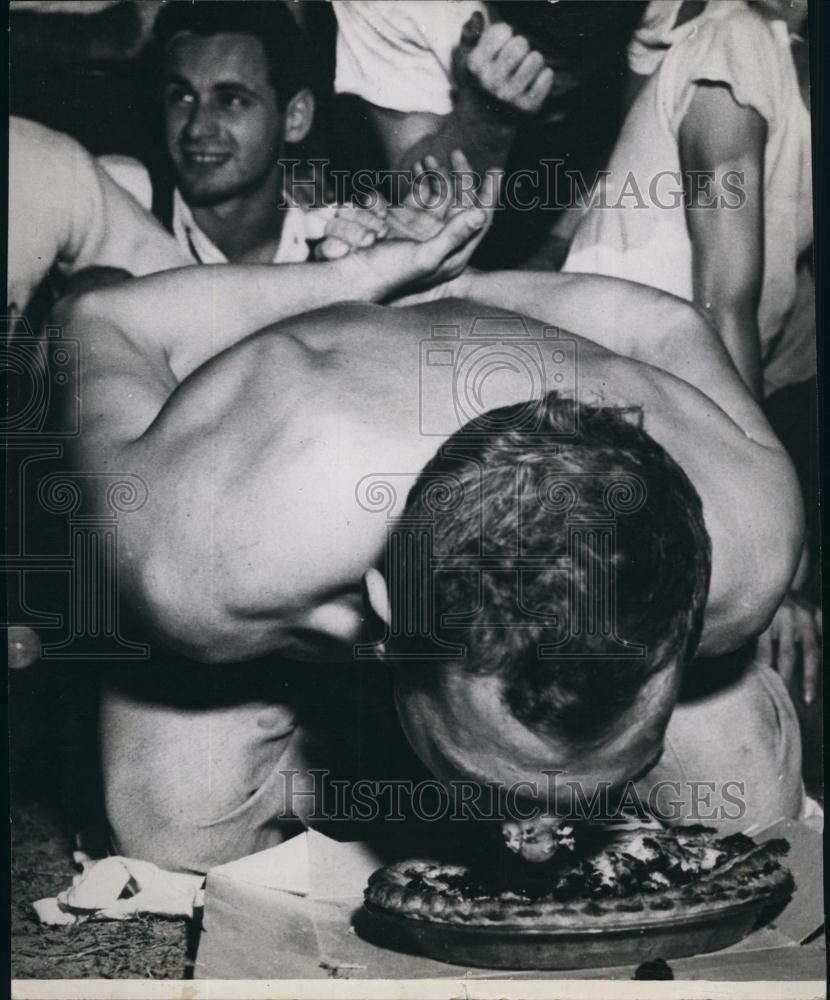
173 126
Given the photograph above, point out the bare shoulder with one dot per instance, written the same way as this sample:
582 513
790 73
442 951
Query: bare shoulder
345 325
120 384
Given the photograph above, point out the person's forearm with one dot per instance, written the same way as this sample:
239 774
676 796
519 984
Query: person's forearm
738 329
484 135
486 140
633 320
626 318
196 312
720 138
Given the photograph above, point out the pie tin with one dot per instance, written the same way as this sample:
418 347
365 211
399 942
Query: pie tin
524 948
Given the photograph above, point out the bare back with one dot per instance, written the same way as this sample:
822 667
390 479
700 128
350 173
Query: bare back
259 462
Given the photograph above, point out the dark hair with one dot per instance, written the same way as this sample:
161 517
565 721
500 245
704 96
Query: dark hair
271 22
511 491
576 29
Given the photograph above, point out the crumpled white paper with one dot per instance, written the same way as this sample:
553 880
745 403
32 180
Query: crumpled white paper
96 894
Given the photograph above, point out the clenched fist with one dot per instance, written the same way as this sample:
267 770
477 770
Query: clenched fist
497 64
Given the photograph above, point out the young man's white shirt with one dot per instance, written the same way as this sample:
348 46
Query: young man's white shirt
299 225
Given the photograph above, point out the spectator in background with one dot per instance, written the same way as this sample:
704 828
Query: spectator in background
728 104
512 84
65 211
725 120
435 77
235 92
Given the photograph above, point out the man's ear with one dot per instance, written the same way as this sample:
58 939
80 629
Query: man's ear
378 595
299 116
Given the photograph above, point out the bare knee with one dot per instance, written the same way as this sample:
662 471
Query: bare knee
733 758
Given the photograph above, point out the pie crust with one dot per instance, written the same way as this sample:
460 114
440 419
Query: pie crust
733 871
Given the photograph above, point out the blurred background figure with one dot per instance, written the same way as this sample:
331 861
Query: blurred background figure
76 67
512 84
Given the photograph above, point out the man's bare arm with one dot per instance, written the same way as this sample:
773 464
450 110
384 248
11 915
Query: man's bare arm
190 315
407 138
727 243
632 320
500 81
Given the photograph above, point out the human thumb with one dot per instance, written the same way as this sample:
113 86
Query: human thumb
472 31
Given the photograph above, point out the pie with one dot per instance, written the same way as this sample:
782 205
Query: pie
596 878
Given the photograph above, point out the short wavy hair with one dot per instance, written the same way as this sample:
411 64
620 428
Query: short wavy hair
660 562
272 23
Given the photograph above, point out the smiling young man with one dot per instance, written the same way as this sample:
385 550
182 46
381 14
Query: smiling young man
234 93
254 427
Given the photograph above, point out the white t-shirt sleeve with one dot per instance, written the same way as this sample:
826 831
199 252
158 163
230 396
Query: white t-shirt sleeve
397 54
739 53
654 36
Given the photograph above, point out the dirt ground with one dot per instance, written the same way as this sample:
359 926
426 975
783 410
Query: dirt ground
142 948
52 755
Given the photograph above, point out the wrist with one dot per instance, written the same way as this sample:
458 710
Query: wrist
465 284
491 116
359 280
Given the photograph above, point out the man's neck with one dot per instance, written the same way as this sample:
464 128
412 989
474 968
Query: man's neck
246 227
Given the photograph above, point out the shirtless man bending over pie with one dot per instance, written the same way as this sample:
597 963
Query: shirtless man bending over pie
253 407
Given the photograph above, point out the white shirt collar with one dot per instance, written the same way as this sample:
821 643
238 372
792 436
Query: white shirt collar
298 227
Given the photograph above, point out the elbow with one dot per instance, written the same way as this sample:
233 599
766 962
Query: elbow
785 547
732 313
778 553
767 558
